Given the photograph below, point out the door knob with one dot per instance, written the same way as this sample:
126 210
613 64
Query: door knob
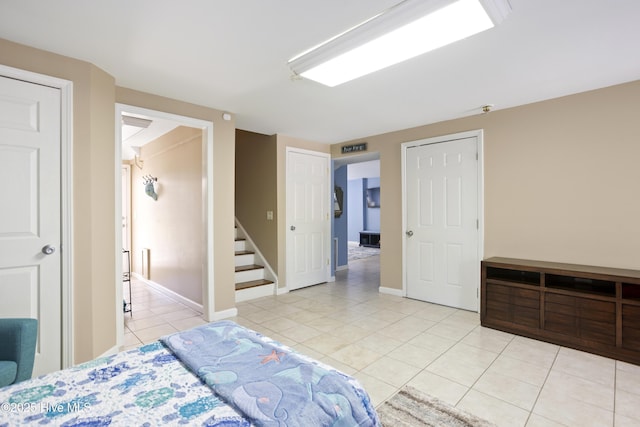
48 249
409 233
293 227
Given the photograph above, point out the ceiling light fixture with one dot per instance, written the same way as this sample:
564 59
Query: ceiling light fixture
132 126
138 122
406 30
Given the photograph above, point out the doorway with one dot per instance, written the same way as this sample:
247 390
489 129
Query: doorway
203 194
359 178
442 219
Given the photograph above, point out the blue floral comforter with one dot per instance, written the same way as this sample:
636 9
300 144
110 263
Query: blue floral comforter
269 383
150 386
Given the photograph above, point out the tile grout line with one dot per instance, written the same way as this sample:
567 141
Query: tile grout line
397 389
501 353
434 360
542 386
483 372
615 389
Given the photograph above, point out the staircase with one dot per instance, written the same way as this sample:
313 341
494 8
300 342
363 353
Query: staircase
251 277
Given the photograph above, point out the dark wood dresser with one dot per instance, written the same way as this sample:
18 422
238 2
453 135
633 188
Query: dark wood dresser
594 309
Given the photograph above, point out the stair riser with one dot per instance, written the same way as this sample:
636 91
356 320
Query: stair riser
247 259
253 293
240 245
246 276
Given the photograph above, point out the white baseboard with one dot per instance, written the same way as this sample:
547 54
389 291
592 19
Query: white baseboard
225 314
171 294
391 291
342 267
282 291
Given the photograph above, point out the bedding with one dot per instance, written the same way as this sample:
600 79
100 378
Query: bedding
219 374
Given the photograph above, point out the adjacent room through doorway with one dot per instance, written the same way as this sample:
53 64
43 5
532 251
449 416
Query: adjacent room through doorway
165 237
356 222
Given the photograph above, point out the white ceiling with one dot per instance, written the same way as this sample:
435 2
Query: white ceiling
232 55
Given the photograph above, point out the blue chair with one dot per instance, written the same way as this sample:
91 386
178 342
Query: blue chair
17 349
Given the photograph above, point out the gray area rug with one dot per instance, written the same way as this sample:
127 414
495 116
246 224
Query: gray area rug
359 252
411 407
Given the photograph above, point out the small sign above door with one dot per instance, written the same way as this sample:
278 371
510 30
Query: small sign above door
355 147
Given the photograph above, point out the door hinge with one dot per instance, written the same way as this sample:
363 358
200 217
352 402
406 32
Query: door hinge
477 292
328 263
477 224
477 158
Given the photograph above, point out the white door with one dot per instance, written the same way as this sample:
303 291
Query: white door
442 221
30 218
308 225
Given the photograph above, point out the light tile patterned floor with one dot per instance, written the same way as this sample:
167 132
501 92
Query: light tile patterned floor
387 342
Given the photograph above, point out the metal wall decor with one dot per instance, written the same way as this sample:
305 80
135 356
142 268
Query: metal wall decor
151 186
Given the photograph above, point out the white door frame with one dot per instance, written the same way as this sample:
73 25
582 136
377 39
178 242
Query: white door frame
127 208
327 229
479 135
208 212
66 194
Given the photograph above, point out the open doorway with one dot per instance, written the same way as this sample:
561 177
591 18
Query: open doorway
356 227
166 220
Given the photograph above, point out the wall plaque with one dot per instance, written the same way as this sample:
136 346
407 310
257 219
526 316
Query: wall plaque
355 147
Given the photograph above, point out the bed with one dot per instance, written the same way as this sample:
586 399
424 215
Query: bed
219 374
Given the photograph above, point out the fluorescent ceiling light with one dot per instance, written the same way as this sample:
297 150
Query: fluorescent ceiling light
409 29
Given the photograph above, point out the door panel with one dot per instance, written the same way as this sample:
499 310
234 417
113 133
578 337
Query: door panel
426 202
16 304
308 219
442 213
19 166
426 262
30 280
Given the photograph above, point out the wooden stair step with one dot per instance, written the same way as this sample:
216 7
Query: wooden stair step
248 267
244 253
252 284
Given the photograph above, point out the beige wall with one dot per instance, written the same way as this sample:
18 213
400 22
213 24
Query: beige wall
223 185
282 143
256 191
94 225
171 227
93 193
264 182
561 180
